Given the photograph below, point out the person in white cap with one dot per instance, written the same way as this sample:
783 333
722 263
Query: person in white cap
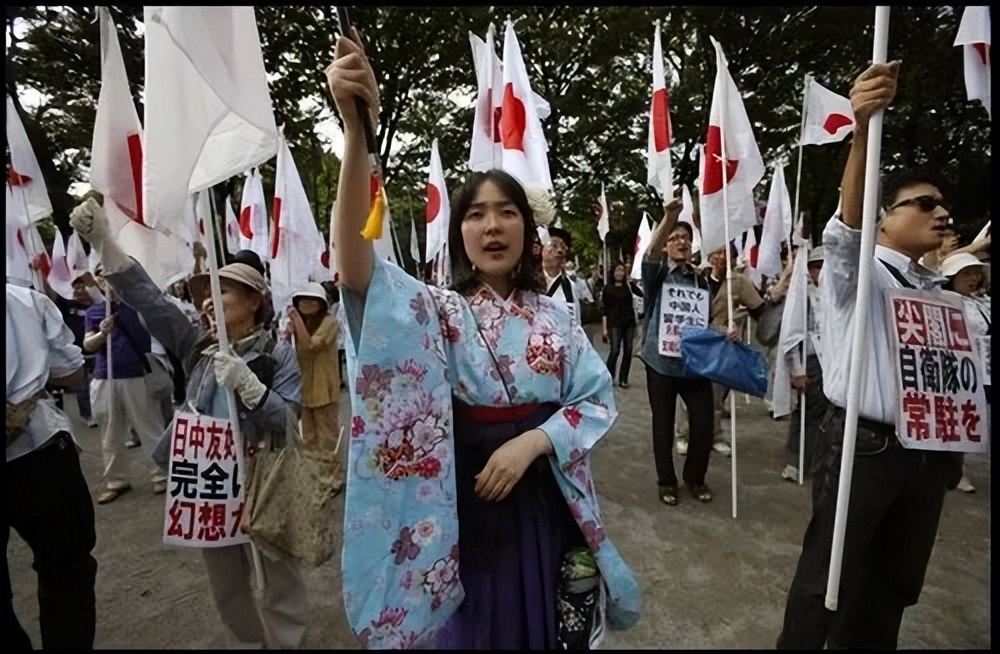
807 380
968 277
315 332
264 376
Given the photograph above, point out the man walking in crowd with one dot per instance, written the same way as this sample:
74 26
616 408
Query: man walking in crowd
121 401
557 284
897 493
48 502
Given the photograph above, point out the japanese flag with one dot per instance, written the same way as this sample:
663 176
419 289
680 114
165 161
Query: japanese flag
438 210
116 169
414 243
524 148
604 222
829 117
208 109
777 226
60 278
731 135
486 151
793 328
24 178
296 244
659 174
232 228
974 37
687 216
642 242
76 258
18 271
253 216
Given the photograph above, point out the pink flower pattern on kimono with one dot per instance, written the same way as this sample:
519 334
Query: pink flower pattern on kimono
544 353
386 628
442 579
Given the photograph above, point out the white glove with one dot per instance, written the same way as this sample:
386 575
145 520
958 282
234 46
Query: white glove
233 372
91 223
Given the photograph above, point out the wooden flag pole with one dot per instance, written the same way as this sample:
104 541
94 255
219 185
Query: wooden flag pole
858 346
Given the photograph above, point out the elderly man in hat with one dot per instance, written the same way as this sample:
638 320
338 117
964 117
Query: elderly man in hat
557 283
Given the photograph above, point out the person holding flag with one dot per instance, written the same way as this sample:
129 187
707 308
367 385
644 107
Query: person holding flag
469 495
897 493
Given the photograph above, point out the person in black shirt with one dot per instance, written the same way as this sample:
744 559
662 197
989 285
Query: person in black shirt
618 324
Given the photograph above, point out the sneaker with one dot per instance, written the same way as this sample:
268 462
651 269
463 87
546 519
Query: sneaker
132 442
682 446
965 485
721 447
790 473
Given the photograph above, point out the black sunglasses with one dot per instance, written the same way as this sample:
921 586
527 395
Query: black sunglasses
925 203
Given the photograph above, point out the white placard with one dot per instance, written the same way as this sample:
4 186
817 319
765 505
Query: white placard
679 306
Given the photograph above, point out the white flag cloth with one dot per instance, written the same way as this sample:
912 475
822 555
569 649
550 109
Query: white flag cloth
525 153
253 216
76 258
793 330
116 169
208 110
642 242
296 245
414 243
232 228
659 173
829 117
744 166
16 254
438 209
486 150
604 222
974 37
687 216
777 226
23 174
751 253
60 278
201 214
984 232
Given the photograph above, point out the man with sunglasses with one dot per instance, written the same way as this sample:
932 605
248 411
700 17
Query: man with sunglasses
897 493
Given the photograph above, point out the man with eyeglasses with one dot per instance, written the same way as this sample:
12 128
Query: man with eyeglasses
897 493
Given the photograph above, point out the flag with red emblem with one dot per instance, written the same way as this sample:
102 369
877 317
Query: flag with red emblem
659 173
438 209
974 37
24 177
525 152
253 216
829 117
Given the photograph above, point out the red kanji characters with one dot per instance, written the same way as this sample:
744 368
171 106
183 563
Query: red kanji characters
958 335
180 436
917 406
970 420
177 510
945 422
212 521
237 519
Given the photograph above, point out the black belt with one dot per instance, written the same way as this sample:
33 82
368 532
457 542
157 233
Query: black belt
877 427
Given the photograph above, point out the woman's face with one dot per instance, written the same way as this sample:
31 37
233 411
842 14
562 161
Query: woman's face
619 273
309 306
967 280
493 232
239 303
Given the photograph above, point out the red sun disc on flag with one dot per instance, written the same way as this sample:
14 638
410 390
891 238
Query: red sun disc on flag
15 178
834 122
325 259
245 227
512 120
661 120
713 163
433 203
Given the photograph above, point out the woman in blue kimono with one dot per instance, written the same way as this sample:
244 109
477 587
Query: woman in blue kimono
475 410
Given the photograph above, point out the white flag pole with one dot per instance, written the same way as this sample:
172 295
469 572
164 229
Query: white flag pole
798 174
868 219
729 264
802 396
220 331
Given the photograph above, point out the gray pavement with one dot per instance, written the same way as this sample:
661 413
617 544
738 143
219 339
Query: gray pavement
708 581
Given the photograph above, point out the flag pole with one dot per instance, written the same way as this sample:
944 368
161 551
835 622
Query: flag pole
869 216
805 337
729 271
805 289
220 331
802 135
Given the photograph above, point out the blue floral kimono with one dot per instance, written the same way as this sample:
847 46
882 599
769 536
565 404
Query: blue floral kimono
413 347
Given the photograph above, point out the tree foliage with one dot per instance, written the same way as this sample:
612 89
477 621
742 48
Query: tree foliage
591 63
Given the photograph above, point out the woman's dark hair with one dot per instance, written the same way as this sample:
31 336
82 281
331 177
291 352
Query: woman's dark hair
527 273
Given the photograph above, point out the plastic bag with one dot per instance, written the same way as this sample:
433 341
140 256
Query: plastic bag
708 353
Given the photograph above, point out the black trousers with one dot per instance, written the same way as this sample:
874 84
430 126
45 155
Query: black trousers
49 505
896 499
620 337
697 395
816 406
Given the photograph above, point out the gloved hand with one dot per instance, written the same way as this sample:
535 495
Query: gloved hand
233 372
92 224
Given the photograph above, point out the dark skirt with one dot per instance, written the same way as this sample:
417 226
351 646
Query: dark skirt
509 551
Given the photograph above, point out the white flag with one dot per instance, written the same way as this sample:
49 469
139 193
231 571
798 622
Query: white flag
777 226
438 209
642 242
974 37
76 258
208 110
604 223
384 248
525 153
415 244
296 245
60 278
659 174
116 169
486 151
744 167
793 329
232 228
829 117
253 216
24 177
18 271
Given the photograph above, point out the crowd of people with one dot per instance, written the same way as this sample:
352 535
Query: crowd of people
475 408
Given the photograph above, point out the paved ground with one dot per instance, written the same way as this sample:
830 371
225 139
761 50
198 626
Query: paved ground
708 581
